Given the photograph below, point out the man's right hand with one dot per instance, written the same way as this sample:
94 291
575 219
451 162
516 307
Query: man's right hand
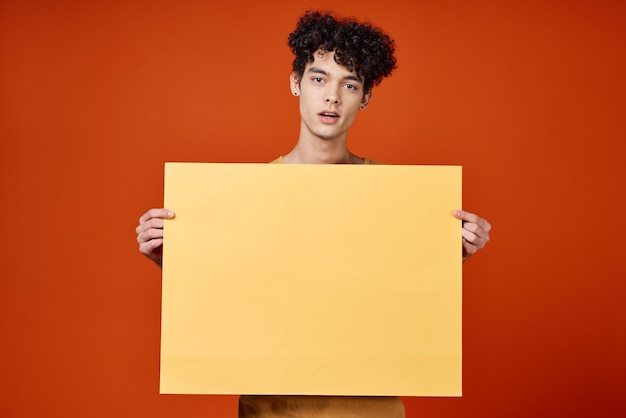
150 233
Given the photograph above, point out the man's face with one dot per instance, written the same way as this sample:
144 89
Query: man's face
330 97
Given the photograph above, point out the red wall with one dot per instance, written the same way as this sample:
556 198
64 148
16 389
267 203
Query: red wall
95 96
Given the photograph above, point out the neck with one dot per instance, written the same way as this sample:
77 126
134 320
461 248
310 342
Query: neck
321 151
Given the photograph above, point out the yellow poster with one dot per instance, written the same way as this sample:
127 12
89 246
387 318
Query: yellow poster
312 280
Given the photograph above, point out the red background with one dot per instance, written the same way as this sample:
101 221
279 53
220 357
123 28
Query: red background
95 96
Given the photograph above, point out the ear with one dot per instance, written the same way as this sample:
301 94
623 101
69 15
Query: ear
366 99
294 82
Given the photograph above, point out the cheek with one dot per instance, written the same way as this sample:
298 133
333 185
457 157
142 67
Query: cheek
353 104
350 115
304 102
353 100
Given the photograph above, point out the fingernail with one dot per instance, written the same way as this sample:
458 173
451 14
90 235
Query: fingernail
170 214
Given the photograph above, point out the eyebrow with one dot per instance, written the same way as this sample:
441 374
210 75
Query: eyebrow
317 70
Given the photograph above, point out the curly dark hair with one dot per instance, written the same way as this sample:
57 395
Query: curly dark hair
361 47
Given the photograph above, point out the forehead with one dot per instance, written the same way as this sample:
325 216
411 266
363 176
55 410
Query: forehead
325 61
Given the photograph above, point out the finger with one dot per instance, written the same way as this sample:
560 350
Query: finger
150 234
151 223
476 229
147 248
156 213
473 218
473 239
472 227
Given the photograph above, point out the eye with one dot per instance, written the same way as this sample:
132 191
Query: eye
351 86
317 80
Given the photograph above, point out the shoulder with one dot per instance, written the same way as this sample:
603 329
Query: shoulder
367 161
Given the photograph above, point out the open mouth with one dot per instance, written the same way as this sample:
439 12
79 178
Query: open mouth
330 115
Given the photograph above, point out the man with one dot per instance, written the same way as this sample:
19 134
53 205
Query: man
336 65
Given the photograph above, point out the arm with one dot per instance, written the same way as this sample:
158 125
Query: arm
150 233
475 232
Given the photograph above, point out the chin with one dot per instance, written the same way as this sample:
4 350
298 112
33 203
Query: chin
327 136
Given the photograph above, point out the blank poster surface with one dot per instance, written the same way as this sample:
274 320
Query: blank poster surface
312 280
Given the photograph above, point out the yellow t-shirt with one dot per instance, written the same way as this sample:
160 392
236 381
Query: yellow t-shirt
320 406
280 160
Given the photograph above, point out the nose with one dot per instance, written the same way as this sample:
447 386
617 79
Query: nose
331 96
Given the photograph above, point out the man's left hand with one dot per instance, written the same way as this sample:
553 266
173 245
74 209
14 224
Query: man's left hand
475 232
